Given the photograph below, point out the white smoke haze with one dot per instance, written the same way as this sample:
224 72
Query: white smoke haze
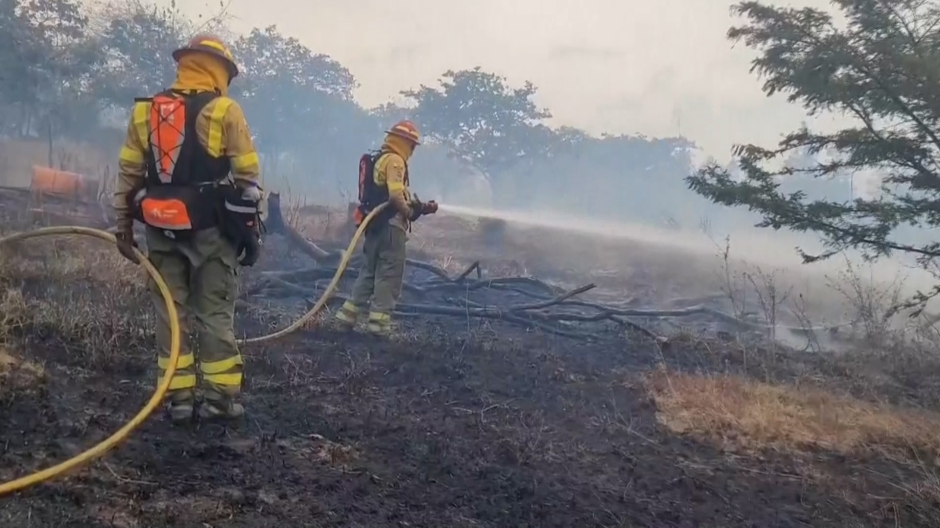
653 69
580 337
661 69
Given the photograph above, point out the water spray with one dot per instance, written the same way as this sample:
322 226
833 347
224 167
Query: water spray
518 217
563 222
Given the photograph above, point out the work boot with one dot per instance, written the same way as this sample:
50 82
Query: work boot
387 331
345 318
339 325
382 331
221 409
180 408
379 325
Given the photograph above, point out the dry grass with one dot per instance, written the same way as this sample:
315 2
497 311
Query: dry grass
13 366
329 225
318 223
881 444
742 414
19 376
74 291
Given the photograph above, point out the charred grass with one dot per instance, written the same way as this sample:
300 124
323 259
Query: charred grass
453 424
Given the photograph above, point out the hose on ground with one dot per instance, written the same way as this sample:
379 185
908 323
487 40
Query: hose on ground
330 289
122 433
175 339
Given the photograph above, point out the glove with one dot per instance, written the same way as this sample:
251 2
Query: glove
126 244
242 220
249 251
417 208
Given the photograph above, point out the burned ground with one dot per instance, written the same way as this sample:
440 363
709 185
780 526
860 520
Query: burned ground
459 422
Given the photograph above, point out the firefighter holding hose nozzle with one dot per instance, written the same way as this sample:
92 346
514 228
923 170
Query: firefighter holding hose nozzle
383 176
189 172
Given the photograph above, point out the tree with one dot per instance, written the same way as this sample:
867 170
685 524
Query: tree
71 69
137 42
486 122
622 177
302 110
268 54
388 113
295 99
881 68
43 59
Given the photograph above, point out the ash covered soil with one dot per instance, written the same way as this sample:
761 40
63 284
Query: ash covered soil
456 424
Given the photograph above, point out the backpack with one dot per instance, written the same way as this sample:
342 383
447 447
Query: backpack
370 194
177 196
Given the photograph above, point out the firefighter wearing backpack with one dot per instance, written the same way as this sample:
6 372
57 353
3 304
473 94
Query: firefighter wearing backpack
189 172
383 176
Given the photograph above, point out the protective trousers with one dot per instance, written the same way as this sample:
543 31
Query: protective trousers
200 273
380 279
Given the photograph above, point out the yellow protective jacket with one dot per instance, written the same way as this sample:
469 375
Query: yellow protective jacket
391 171
221 129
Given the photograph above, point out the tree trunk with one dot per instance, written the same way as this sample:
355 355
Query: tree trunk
49 137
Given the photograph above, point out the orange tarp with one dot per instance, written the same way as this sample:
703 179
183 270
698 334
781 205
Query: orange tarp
47 180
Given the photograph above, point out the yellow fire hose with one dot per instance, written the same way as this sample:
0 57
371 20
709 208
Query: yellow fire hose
135 422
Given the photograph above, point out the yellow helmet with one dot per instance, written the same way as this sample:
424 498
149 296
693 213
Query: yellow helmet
212 45
405 129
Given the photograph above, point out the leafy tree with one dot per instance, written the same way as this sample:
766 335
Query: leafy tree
42 59
298 101
17 49
486 122
836 187
71 68
630 178
389 113
880 67
136 43
569 140
268 54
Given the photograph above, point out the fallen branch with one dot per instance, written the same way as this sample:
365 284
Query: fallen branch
466 303
531 311
530 315
484 313
551 302
476 266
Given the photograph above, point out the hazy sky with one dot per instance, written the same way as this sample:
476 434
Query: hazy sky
657 67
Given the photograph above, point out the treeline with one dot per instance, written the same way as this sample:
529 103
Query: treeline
70 70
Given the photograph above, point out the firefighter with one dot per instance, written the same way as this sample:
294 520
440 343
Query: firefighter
383 176
189 172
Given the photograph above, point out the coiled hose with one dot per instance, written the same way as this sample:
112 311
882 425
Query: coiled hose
135 422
